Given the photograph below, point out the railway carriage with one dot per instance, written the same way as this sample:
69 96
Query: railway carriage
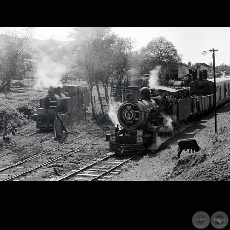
202 92
222 90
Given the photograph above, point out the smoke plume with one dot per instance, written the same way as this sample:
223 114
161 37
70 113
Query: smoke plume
113 108
48 73
154 77
167 122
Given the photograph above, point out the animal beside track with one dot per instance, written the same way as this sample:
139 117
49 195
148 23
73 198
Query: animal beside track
190 144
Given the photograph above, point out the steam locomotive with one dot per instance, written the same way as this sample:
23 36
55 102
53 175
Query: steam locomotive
62 104
151 116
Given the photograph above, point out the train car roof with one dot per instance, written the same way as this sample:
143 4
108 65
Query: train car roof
172 90
71 85
220 79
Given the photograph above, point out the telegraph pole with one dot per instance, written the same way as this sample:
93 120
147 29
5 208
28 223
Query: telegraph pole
214 95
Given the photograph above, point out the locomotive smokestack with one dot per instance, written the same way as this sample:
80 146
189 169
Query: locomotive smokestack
133 91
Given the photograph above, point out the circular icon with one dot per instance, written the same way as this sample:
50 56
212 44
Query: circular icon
201 220
219 220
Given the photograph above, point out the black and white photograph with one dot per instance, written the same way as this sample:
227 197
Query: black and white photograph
114 104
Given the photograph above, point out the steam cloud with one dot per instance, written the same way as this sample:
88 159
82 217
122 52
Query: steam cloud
48 73
113 108
167 121
168 127
154 77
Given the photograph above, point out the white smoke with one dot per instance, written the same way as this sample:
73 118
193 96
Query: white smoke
48 73
167 122
159 141
162 139
113 108
134 80
154 77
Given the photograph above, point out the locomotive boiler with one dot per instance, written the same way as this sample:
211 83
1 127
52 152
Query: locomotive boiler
139 120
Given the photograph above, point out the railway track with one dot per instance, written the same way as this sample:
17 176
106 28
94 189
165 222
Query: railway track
20 139
61 147
98 170
38 166
35 156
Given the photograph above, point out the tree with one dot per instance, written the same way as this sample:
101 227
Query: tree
223 67
101 55
13 58
115 60
159 52
57 51
87 50
135 60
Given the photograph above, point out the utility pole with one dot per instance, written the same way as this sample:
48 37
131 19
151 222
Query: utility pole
214 95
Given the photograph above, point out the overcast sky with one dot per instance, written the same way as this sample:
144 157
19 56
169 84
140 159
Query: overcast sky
190 42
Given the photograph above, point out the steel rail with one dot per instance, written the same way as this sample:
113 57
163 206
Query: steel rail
38 166
19 139
59 147
82 169
45 163
88 168
11 143
112 169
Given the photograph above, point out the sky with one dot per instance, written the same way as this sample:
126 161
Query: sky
190 42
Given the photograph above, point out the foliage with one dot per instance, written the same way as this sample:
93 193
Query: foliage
115 62
57 51
101 55
135 60
13 59
159 52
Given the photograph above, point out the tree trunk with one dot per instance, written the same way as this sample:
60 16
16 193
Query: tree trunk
92 102
118 96
106 94
105 86
100 99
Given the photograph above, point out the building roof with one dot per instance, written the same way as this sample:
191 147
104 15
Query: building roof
203 64
183 64
220 80
132 72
